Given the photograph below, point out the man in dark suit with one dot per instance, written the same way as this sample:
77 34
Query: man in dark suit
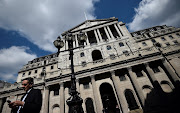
31 102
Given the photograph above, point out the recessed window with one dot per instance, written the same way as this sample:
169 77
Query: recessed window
163 39
86 86
144 44
108 47
167 44
175 42
178 34
171 37
122 78
153 40
139 74
83 63
156 69
52 67
35 71
56 92
126 53
121 44
23 74
82 54
29 73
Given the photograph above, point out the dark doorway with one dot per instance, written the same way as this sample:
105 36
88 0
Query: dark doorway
108 98
89 106
96 55
131 100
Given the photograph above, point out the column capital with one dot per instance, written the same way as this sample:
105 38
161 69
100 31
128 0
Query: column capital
113 72
146 64
92 76
61 83
129 68
47 87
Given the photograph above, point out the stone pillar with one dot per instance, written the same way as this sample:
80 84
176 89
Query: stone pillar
120 93
77 85
115 25
46 100
150 71
170 70
120 29
96 36
74 43
87 40
105 29
95 93
135 83
66 91
110 32
77 44
99 34
61 91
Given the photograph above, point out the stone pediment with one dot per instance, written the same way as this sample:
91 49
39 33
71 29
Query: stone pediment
91 23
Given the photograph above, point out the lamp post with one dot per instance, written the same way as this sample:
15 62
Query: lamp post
74 101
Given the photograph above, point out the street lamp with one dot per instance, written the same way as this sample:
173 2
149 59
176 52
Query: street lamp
74 101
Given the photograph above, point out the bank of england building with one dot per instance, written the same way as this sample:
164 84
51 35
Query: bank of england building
116 70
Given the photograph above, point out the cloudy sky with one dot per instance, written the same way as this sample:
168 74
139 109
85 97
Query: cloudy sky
28 27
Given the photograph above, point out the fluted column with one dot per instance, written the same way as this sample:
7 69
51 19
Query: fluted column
61 90
170 70
110 32
95 92
120 29
135 83
96 36
115 25
87 40
105 29
99 34
119 92
77 44
46 99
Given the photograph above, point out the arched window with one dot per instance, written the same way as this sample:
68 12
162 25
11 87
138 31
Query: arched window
89 106
146 89
96 55
130 100
56 109
166 86
108 47
121 44
82 54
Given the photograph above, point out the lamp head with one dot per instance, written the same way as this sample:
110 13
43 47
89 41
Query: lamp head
58 43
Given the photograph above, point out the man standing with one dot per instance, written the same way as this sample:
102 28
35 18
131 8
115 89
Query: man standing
31 102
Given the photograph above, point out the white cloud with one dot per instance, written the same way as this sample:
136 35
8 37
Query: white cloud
11 61
41 21
156 12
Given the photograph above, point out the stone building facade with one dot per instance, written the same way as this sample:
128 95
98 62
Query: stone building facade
117 70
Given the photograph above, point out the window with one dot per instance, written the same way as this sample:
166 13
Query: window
167 44
82 54
86 86
163 39
171 37
122 78
52 67
178 34
83 63
23 74
108 47
156 69
29 73
175 42
153 40
112 56
139 74
144 44
56 92
35 71
126 53
121 44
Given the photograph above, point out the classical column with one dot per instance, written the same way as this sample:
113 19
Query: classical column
77 44
61 90
119 92
115 25
77 85
110 32
66 91
95 93
150 71
170 70
99 34
105 29
96 36
87 40
46 99
135 83
120 29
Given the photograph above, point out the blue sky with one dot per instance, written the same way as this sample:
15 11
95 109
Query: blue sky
28 28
